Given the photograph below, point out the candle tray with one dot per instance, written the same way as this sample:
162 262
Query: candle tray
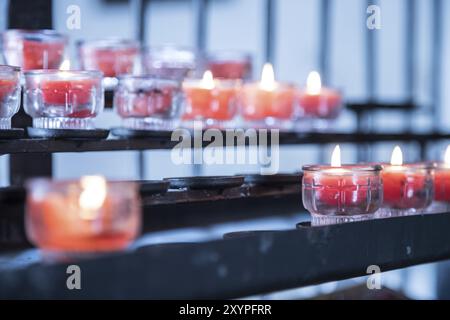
123 132
273 180
14 133
206 182
82 134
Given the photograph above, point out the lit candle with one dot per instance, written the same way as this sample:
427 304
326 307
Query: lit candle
212 101
62 95
33 49
87 215
341 193
407 188
442 179
268 103
317 101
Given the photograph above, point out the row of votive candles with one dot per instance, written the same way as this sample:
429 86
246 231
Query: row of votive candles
46 49
346 193
70 99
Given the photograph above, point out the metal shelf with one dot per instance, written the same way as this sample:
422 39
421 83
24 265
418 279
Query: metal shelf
286 138
243 264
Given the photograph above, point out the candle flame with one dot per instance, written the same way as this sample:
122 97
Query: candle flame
268 78
397 157
313 83
208 80
65 66
336 157
92 196
447 156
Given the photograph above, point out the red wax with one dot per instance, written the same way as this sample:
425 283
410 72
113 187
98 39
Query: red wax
55 223
40 55
442 185
218 103
229 69
112 62
69 92
145 103
405 190
6 88
258 104
324 105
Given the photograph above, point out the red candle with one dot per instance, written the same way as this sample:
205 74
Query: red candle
267 99
7 87
318 102
209 99
112 57
406 186
442 179
67 92
34 49
442 185
86 216
145 103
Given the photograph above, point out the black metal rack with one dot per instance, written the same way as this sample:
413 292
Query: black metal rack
241 264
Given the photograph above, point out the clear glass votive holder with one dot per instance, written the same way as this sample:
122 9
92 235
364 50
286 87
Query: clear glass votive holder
169 62
441 182
407 189
113 57
263 108
33 49
63 99
148 103
229 65
84 216
215 107
9 94
341 194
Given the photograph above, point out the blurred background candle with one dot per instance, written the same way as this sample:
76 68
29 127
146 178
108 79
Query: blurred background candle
441 173
341 193
33 49
113 57
230 65
9 94
170 62
62 98
82 216
268 103
408 188
146 102
212 101
316 101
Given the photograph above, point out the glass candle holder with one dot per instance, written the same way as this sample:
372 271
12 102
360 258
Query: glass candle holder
441 184
216 105
82 216
341 194
113 57
169 62
408 189
9 94
33 49
63 99
146 102
230 65
263 107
